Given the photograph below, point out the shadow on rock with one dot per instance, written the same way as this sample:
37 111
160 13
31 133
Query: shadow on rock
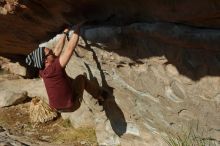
115 116
193 51
112 110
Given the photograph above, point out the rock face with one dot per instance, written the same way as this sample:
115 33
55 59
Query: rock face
38 20
150 94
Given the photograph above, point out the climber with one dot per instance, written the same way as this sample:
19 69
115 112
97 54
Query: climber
62 91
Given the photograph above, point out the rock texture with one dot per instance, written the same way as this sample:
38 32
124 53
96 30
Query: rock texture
7 139
14 68
8 98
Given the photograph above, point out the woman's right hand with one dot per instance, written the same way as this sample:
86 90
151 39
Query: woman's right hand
66 30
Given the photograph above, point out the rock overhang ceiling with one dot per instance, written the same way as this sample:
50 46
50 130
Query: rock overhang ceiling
26 23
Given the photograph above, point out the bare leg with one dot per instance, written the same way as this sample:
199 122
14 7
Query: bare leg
92 87
78 86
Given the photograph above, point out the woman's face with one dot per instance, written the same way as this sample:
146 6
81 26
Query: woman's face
49 55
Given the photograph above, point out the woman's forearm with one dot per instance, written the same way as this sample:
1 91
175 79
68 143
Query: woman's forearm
65 57
73 41
59 46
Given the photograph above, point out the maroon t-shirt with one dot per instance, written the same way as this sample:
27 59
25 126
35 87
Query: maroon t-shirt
58 86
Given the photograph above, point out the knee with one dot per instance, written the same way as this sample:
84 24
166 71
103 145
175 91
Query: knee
81 77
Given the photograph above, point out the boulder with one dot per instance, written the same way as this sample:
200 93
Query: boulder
15 68
8 98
